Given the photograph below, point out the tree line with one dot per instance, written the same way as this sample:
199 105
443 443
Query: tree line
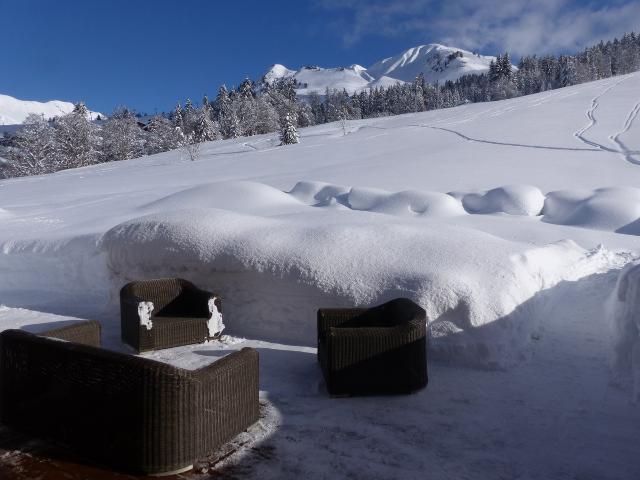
72 140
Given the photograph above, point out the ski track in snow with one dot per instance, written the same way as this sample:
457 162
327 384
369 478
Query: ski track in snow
506 144
593 121
627 153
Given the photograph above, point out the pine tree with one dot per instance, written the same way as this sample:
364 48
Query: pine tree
76 143
267 116
204 128
221 103
80 109
177 117
288 132
161 136
245 89
505 67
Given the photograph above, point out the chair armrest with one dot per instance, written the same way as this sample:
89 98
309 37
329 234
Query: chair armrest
230 396
85 333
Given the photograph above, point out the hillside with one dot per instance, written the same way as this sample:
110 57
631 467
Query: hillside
14 111
509 222
438 63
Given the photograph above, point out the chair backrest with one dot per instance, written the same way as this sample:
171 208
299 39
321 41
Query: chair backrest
161 292
396 312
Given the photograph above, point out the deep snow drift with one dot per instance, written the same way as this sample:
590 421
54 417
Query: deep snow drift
508 221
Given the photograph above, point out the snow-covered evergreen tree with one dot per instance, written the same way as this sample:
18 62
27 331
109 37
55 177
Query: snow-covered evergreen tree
122 138
266 116
288 133
204 128
221 103
246 88
162 135
177 117
81 109
76 142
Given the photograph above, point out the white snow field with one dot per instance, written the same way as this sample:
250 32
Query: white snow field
509 222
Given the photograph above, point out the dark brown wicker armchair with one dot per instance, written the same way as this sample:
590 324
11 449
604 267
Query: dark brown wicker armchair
373 351
179 316
125 412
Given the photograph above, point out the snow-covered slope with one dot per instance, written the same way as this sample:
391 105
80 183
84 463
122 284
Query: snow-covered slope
438 63
14 111
509 222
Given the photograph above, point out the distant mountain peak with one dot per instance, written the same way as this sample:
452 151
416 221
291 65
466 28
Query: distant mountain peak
14 111
437 62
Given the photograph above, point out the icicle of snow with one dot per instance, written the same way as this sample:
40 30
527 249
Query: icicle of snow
214 324
144 312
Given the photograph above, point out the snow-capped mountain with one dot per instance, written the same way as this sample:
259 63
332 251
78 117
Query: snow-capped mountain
438 63
317 79
14 111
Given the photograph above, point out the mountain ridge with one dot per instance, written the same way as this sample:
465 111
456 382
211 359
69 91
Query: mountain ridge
436 62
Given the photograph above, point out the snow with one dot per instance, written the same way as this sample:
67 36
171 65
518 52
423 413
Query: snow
511 199
215 324
613 209
144 313
438 63
433 62
14 111
317 79
509 222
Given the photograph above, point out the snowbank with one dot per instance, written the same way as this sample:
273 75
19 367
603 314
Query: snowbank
409 202
243 197
274 273
512 199
614 209
317 193
623 313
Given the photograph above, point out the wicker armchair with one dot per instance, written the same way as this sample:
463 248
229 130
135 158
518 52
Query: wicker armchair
373 351
125 412
179 316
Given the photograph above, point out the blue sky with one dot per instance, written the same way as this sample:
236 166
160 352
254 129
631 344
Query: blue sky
148 54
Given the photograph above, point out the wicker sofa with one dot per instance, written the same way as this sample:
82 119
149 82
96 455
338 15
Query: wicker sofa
380 350
122 411
179 317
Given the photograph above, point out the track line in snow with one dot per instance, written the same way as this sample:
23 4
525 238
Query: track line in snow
593 121
627 153
507 144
